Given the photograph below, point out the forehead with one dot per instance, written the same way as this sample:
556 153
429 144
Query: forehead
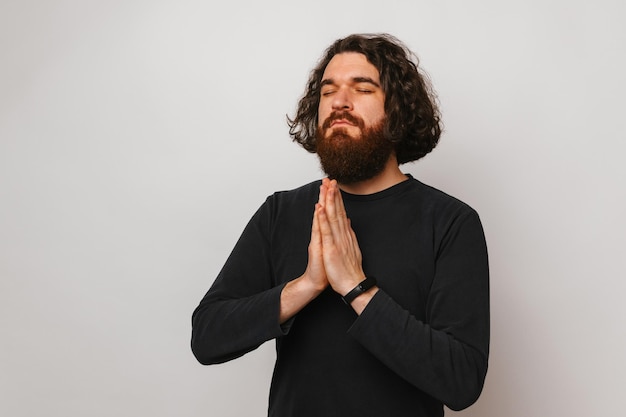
350 65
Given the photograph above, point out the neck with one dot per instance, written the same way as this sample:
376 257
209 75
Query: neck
388 177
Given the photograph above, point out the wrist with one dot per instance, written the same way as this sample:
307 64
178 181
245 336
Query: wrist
295 295
306 283
361 288
359 303
345 285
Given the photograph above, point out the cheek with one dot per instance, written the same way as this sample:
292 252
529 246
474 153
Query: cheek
322 114
376 113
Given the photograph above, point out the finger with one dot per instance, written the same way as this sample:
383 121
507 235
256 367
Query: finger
333 196
316 238
330 208
337 209
323 190
338 200
341 209
321 212
355 244
327 236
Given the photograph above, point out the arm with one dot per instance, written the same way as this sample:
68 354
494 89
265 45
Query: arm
245 306
444 356
304 289
240 310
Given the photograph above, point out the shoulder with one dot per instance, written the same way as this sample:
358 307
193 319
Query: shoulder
290 202
312 188
437 201
451 219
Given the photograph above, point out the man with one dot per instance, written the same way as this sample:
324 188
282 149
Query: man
374 285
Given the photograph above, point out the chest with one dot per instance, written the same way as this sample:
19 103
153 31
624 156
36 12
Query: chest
397 248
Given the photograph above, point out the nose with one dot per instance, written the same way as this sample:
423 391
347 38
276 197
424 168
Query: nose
342 100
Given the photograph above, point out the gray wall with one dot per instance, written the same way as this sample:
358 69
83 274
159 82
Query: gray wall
138 137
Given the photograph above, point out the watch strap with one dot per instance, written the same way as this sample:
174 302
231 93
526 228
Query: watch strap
363 286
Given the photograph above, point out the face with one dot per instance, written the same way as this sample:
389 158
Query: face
350 85
350 140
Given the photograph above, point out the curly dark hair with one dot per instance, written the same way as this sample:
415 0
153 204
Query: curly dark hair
413 122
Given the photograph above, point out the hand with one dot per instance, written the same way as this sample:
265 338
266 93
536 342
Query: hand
334 257
341 254
315 273
302 290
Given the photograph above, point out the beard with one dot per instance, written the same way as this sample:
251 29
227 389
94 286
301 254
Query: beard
350 159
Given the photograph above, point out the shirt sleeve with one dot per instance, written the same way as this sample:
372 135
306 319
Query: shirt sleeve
241 309
446 354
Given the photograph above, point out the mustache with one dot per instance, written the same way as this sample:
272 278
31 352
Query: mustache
342 115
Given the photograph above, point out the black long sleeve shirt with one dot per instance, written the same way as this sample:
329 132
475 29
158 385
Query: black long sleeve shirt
421 342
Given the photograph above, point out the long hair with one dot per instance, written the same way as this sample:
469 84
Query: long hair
413 122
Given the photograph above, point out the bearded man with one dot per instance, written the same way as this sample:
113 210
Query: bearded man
374 285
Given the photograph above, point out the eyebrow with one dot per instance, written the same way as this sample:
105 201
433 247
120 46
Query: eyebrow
355 80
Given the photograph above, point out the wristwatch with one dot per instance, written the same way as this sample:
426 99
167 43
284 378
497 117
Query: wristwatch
363 286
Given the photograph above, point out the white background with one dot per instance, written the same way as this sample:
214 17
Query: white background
138 137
